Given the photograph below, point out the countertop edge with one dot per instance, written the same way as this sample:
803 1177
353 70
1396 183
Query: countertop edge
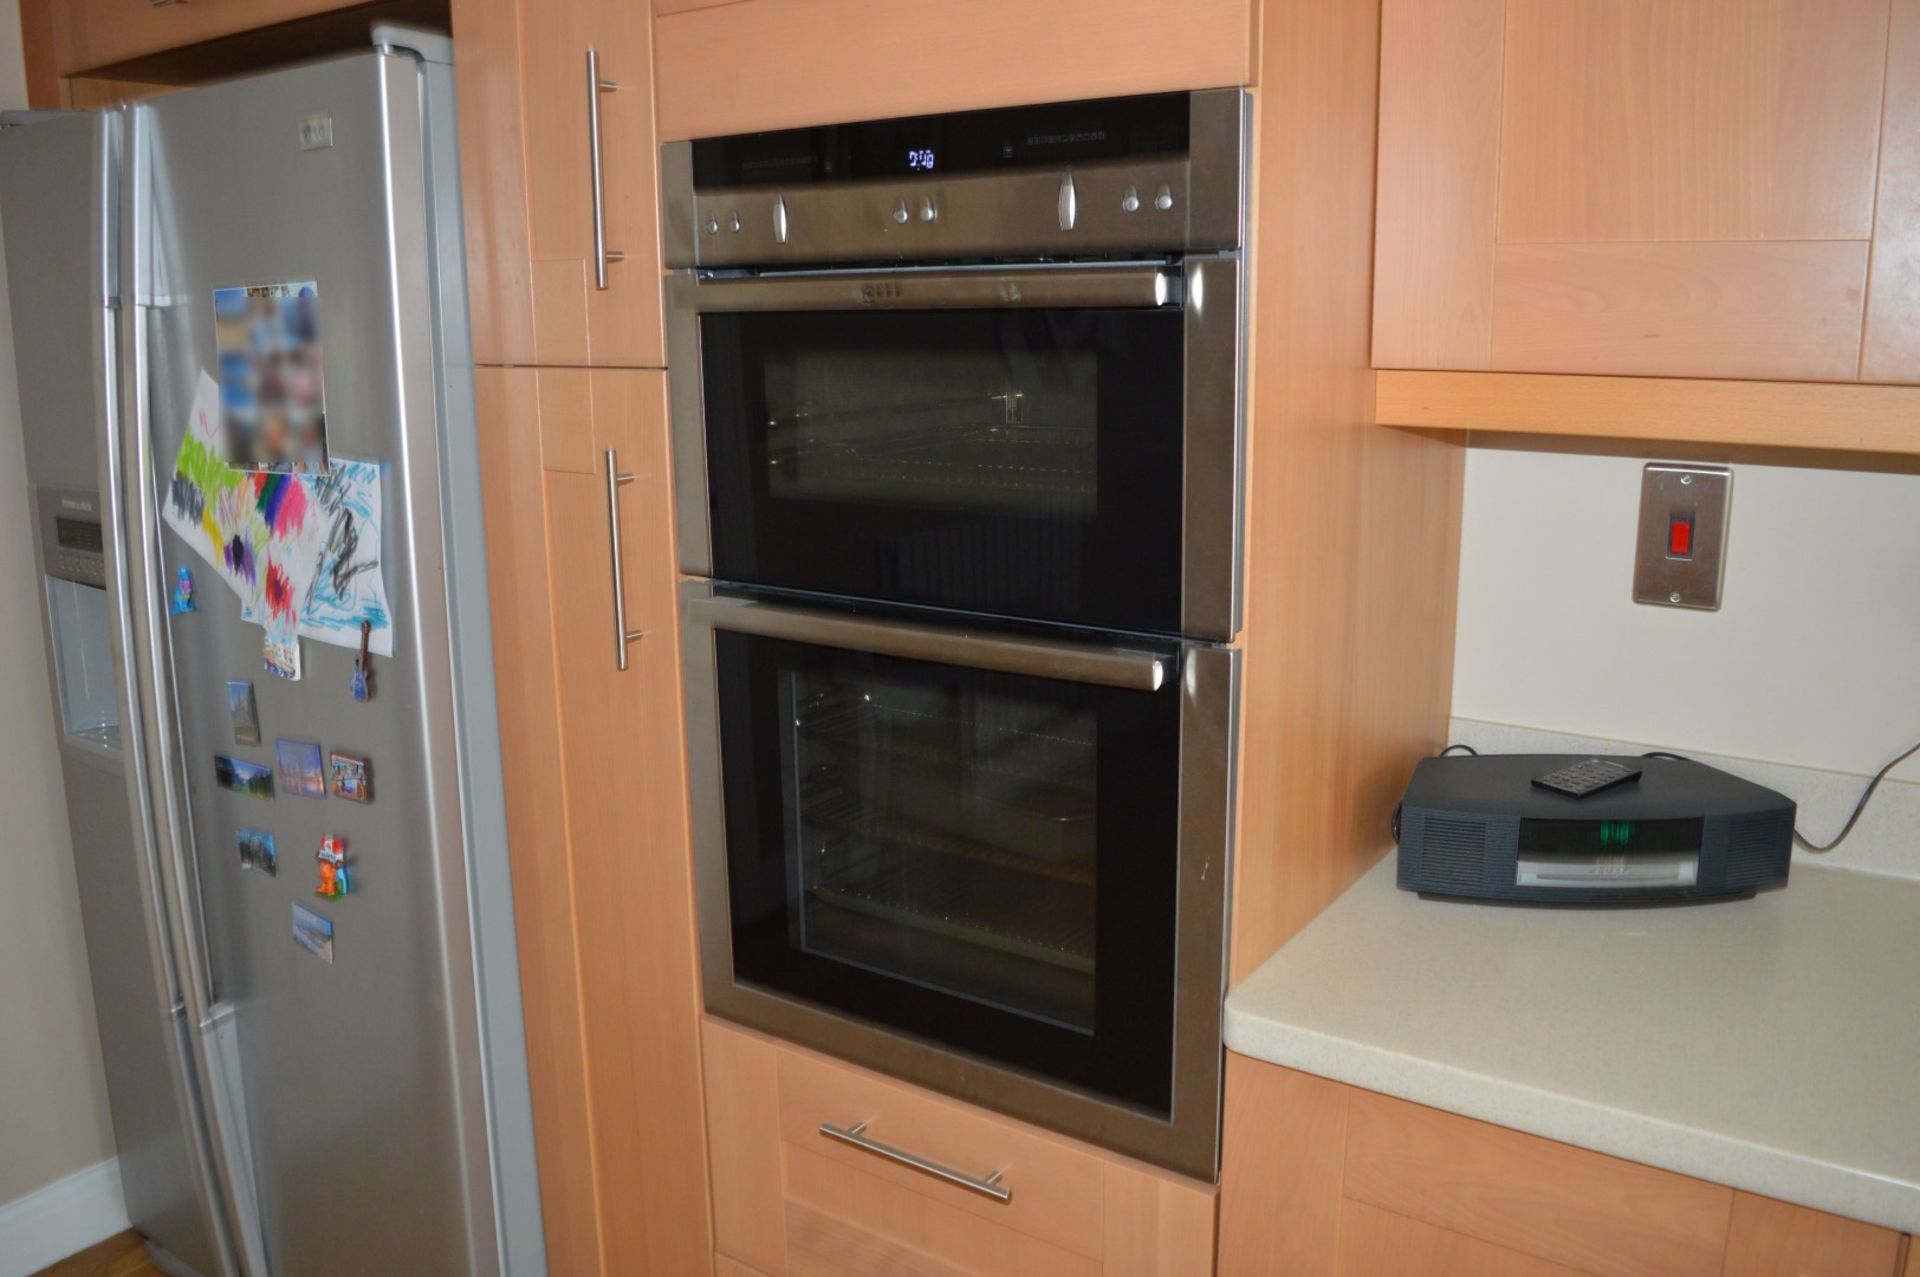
1621 1133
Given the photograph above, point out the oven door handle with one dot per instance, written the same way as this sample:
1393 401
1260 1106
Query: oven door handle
1138 287
1130 669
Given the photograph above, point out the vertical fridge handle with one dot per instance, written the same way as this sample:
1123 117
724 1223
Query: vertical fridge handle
149 729
621 634
601 254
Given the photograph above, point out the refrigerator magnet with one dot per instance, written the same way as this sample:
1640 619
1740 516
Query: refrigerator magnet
336 875
313 932
281 652
348 777
183 593
272 389
257 850
362 685
243 713
243 777
299 767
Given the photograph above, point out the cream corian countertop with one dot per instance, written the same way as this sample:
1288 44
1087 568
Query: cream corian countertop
1770 1044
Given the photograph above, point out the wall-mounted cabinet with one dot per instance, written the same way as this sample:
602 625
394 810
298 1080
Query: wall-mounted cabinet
560 174
1665 188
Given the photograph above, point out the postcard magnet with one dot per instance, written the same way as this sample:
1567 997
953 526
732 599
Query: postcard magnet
243 713
272 383
336 875
300 769
257 850
313 932
363 666
349 777
183 592
281 652
242 777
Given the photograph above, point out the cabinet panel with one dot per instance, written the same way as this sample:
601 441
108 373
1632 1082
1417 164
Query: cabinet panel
1378 1243
1765 310
768 64
1592 1212
97 33
527 163
1893 297
743 1133
1439 162
1690 119
1768 1238
1283 1142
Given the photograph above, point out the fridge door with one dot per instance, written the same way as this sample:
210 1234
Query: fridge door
378 1077
59 191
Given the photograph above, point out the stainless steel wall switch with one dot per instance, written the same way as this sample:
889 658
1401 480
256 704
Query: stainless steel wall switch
1683 535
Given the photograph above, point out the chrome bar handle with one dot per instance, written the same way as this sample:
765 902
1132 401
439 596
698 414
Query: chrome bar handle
993 1185
621 634
601 256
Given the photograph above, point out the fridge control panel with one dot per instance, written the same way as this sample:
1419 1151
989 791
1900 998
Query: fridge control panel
71 545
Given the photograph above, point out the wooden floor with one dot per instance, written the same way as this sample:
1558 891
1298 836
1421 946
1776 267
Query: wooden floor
124 1255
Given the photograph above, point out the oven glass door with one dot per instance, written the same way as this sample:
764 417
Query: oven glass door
1023 462
981 859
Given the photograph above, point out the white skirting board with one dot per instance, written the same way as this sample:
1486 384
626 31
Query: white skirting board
66 1216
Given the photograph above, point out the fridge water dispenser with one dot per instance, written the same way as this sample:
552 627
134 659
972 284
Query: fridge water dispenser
73 560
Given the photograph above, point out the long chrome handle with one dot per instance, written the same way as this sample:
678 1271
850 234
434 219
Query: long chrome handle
1129 287
1125 668
993 1185
601 255
621 634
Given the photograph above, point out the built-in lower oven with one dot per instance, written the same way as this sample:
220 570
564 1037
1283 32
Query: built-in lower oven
957 433
992 863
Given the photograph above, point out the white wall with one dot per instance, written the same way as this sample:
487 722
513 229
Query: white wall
1813 658
53 1107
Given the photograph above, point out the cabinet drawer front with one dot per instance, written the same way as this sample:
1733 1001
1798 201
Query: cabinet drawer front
1057 1189
1582 1209
97 33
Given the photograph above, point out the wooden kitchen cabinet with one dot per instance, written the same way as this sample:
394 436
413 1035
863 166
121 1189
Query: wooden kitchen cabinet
528 163
596 804
1323 1178
1674 188
745 65
790 1202
97 33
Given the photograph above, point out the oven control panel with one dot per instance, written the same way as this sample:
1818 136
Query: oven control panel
1164 173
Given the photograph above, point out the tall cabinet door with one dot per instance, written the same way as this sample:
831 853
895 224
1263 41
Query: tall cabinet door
544 204
596 803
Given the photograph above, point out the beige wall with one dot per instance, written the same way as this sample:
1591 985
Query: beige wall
1811 659
53 1100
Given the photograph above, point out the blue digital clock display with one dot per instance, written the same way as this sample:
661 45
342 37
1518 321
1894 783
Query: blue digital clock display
920 160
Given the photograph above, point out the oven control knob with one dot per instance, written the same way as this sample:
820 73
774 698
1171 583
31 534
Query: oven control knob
733 222
780 220
900 213
1131 200
713 224
1069 202
1163 198
927 211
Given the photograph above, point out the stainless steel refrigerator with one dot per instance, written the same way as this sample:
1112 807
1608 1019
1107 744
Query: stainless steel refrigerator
344 1091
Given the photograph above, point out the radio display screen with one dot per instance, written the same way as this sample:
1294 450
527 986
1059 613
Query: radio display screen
1609 837
77 534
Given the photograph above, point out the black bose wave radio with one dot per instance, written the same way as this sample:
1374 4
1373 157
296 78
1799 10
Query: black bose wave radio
1579 829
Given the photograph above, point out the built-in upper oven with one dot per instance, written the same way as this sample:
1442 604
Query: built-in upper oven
989 362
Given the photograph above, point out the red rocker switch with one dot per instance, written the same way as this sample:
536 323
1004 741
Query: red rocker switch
1680 536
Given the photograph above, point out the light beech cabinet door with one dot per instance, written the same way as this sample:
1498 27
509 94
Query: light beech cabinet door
529 163
1650 187
596 804
790 1202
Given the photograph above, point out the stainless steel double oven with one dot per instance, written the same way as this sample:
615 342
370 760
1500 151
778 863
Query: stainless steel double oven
957 413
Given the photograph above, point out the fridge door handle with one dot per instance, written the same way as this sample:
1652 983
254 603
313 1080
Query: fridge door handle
1126 668
601 253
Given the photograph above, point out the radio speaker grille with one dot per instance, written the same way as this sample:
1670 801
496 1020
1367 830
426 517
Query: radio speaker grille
1754 847
1453 851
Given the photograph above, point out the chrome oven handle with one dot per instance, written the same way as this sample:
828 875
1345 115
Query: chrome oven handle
621 634
1134 287
601 256
993 1185
1126 668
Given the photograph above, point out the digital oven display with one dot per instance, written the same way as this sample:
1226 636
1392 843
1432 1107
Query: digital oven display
1609 837
920 159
